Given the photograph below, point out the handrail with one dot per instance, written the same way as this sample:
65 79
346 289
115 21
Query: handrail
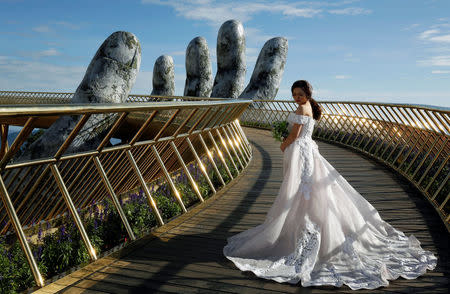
156 140
413 140
20 97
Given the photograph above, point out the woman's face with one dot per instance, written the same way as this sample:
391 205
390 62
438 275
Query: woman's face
299 96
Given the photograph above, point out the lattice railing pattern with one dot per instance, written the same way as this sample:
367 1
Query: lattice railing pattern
153 140
413 140
18 97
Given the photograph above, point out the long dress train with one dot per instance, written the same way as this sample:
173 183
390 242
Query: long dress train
321 231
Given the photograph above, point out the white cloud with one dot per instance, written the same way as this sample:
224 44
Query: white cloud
251 54
177 53
256 35
351 11
437 37
49 52
21 75
216 12
17 74
437 33
67 25
342 77
52 26
42 29
38 54
411 27
440 71
441 60
350 58
437 98
305 12
428 33
442 38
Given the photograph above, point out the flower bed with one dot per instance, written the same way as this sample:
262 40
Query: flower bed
58 247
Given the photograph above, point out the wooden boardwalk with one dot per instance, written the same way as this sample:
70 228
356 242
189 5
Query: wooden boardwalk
185 256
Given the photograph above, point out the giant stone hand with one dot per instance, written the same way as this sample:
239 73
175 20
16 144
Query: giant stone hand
108 79
199 80
231 67
163 76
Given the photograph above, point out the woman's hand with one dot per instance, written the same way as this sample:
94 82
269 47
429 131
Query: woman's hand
283 146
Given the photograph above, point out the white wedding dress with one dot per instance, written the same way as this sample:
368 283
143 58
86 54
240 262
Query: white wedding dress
321 231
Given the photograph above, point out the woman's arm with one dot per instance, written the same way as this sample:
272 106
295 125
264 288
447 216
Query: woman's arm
296 129
295 132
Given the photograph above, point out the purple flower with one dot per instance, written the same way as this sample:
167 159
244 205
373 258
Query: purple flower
40 233
39 254
63 231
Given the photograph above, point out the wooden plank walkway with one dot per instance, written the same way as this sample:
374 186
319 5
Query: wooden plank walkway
185 256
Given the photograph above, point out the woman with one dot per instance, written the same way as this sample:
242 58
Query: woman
320 230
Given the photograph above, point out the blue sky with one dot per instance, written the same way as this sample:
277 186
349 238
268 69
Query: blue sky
369 50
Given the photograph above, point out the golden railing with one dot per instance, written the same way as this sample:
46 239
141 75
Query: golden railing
19 97
412 140
156 139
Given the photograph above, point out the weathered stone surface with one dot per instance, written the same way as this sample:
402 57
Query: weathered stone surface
112 72
108 79
198 69
268 70
163 76
230 77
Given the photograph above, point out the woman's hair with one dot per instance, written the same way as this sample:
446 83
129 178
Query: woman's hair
307 88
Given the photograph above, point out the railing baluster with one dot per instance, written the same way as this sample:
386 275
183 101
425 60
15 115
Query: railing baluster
186 171
238 145
200 164
150 199
20 234
169 179
73 210
105 180
211 159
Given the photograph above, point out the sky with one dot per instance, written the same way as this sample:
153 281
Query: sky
394 51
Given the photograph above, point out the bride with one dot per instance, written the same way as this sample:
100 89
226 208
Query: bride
320 230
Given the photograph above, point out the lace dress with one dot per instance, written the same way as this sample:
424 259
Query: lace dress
321 231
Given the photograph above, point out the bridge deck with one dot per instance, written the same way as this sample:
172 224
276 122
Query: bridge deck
185 256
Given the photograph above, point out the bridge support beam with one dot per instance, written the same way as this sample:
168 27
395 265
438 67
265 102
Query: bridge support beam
113 195
150 199
238 143
200 164
20 234
169 178
222 158
211 159
186 171
73 211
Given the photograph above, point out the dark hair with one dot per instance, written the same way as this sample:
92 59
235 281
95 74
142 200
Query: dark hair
307 88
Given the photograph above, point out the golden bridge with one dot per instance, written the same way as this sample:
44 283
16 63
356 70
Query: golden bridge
150 207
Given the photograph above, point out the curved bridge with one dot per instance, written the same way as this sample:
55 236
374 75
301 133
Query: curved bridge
182 153
185 256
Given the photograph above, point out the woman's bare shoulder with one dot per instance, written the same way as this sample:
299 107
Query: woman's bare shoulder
304 109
